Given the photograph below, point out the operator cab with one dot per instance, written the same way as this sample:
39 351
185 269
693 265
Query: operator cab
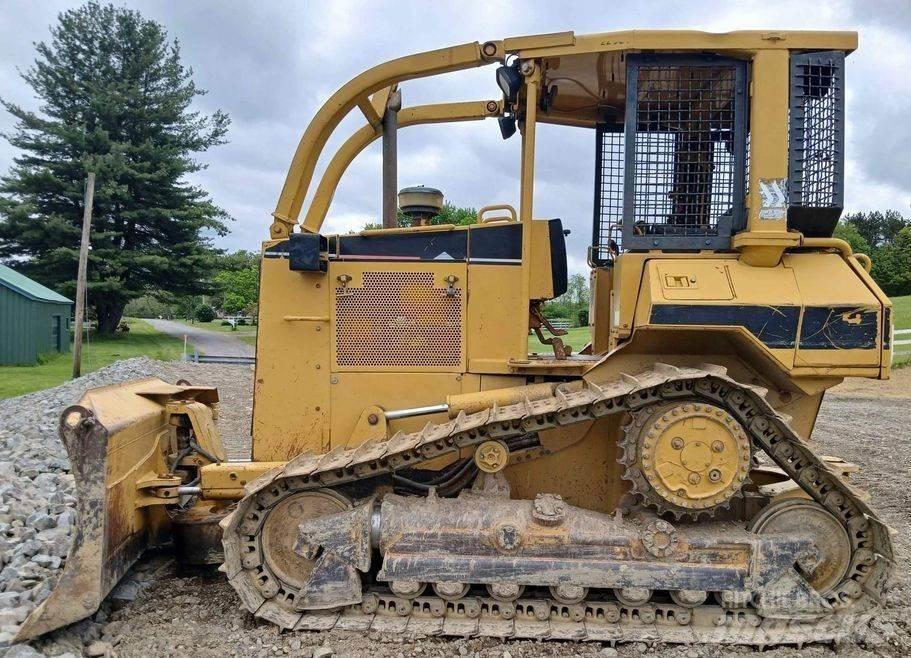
672 144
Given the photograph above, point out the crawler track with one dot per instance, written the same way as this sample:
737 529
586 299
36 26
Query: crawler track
598 618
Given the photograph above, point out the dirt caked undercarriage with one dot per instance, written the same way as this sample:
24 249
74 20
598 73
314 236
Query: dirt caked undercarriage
415 468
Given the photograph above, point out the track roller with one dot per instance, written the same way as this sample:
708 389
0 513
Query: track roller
568 594
633 596
505 591
451 590
689 598
407 589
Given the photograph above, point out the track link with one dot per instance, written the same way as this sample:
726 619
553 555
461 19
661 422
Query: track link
852 599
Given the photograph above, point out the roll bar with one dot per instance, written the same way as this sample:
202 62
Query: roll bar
409 116
356 93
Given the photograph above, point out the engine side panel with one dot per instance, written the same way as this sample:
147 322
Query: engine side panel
811 314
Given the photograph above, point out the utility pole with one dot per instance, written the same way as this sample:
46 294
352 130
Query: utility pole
80 277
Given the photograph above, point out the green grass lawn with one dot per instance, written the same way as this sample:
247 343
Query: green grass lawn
901 317
577 338
215 325
142 340
901 312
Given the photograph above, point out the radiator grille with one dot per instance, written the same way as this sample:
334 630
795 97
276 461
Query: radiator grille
398 319
685 142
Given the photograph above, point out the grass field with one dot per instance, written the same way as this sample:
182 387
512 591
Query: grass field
142 340
901 317
901 312
577 338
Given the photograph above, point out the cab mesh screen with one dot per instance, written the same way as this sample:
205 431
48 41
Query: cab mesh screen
816 140
685 143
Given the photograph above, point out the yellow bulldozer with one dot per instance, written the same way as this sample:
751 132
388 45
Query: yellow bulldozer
416 468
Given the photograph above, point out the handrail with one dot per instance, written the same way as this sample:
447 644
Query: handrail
501 206
839 245
342 101
361 139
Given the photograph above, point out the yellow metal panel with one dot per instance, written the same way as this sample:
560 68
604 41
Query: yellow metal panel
826 280
352 391
493 306
627 275
291 388
756 286
599 313
744 41
693 279
586 473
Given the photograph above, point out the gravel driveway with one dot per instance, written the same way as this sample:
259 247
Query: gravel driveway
211 343
180 613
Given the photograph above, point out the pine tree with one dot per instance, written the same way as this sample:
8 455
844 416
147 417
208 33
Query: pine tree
116 100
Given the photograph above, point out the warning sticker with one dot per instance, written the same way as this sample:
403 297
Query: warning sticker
773 198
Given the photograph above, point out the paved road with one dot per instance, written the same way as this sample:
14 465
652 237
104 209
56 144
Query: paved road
211 343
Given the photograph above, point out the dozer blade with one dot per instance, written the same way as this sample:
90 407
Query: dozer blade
115 437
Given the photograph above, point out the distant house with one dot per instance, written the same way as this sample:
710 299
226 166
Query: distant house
33 319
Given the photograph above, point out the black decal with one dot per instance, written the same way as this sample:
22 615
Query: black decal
418 246
839 328
774 326
497 242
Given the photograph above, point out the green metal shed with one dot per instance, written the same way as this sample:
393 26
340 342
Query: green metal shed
33 319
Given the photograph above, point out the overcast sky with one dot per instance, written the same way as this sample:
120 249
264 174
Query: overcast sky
270 64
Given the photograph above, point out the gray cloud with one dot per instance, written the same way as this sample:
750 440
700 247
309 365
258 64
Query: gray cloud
269 64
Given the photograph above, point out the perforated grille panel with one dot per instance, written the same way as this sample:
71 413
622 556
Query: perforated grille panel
398 319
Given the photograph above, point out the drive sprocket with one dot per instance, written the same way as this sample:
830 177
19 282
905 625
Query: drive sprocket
685 457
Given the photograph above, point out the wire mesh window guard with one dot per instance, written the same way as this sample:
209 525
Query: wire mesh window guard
685 139
609 171
816 142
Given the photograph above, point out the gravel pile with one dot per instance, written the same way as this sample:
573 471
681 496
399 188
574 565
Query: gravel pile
37 496
37 492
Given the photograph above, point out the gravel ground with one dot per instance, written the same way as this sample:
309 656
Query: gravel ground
36 490
198 614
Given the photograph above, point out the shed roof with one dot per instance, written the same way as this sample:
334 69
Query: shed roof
31 289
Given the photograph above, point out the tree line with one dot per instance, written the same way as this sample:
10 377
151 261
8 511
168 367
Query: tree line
886 238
